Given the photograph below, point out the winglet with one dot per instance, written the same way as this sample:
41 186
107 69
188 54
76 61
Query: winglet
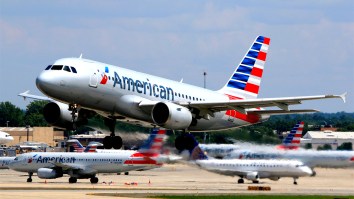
343 96
24 94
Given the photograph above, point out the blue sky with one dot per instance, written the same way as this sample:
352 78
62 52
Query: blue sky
311 50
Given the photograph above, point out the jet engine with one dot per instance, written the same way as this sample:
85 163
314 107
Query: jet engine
171 116
275 178
252 176
46 173
58 115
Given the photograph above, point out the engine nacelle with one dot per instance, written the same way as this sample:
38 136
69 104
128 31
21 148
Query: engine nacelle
252 176
274 178
171 116
46 173
58 115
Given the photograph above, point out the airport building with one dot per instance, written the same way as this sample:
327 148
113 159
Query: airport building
33 134
333 138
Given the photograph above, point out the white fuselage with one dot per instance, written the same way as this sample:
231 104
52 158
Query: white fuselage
311 158
86 163
5 138
5 161
272 169
122 90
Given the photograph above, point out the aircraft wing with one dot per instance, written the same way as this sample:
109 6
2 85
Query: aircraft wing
243 105
26 95
80 168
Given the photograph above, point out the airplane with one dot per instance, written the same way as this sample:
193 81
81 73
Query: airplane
79 88
250 169
49 165
5 138
218 151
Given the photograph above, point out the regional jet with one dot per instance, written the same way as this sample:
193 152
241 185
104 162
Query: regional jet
250 169
86 165
79 88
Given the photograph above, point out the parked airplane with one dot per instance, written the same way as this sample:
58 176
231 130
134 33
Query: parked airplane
251 169
79 88
292 140
87 165
5 138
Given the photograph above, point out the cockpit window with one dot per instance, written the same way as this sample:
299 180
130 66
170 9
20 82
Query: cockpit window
66 68
48 67
57 67
73 69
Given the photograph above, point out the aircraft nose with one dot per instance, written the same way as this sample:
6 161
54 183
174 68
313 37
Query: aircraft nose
43 81
307 170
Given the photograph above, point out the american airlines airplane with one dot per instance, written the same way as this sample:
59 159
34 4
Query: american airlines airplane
79 88
5 138
86 165
5 161
251 169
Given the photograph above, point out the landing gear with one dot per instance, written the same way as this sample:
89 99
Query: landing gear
74 110
240 181
72 180
94 180
295 183
255 181
29 179
185 142
126 173
112 141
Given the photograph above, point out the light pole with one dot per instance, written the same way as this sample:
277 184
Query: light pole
27 127
7 123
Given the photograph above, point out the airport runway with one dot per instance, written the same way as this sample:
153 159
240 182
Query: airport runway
171 179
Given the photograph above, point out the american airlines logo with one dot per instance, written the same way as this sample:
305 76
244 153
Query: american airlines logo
144 87
41 159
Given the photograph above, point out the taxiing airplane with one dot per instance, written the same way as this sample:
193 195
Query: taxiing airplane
86 165
79 88
250 169
5 138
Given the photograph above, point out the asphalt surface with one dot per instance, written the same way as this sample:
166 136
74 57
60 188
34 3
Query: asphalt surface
171 179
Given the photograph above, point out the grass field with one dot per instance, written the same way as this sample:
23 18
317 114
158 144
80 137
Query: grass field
254 197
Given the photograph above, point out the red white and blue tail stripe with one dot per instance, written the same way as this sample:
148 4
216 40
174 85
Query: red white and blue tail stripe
246 79
77 146
292 140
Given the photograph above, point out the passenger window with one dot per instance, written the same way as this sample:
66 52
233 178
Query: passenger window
48 67
73 69
66 68
57 67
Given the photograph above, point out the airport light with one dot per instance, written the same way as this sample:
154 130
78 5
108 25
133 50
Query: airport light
7 123
27 127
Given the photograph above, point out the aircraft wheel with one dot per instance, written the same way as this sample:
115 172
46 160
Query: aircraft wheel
107 142
126 173
240 181
94 180
295 183
29 179
116 142
255 181
72 180
184 141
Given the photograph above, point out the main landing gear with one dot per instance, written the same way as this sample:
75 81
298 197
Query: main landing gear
72 180
295 183
29 179
112 140
240 181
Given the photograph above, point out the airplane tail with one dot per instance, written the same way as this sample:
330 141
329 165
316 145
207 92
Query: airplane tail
246 79
90 149
292 140
195 153
77 145
153 145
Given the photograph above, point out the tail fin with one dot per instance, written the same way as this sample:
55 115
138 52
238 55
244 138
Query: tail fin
196 153
153 144
246 79
90 149
77 145
292 140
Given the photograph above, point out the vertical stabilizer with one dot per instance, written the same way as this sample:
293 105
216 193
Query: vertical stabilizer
245 82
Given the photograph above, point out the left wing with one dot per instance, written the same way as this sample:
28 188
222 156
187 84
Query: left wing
37 97
81 169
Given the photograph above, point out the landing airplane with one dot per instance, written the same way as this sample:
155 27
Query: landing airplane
86 165
5 138
78 88
250 169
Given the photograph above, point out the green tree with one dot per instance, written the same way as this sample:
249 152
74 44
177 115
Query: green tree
308 146
34 114
324 147
346 146
11 113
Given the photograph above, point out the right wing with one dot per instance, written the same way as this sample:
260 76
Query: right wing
36 97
